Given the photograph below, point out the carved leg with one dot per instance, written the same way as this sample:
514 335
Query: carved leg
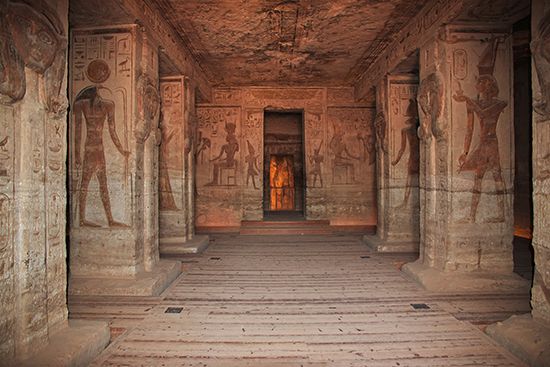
501 191
87 173
104 192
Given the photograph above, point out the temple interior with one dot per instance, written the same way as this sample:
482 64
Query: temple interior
274 183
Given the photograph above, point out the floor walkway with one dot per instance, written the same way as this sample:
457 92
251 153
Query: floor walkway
300 301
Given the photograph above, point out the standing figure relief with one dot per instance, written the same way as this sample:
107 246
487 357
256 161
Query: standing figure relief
409 137
252 163
95 110
316 160
485 157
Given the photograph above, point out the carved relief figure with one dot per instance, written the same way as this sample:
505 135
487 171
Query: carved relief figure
541 56
316 160
380 130
431 101
148 106
168 131
204 143
229 149
409 135
32 37
367 140
252 161
486 156
342 156
95 110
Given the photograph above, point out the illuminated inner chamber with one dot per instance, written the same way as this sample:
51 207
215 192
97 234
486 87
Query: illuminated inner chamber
281 182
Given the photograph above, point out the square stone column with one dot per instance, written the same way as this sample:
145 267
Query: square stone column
113 173
33 149
467 161
176 174
528 336
397 166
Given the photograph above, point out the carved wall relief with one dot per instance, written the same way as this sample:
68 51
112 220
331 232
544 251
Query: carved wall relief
218 147
352 144
148 104
316 160
32 36
407 138
171 157
101 83
485 108
431 100
540 47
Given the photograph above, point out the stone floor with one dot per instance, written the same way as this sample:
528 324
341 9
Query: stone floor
299 301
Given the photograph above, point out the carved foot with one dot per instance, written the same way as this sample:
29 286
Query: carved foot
465 220
86 223
498 219
114 223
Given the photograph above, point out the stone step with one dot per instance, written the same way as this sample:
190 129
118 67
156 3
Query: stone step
285 224
303 227
173 246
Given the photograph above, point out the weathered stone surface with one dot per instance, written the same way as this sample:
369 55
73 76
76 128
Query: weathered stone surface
75 345
287 43
528 336
33 42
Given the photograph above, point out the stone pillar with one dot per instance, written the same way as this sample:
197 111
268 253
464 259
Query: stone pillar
33 106
176 185
114 164
528 336
397 166
467 161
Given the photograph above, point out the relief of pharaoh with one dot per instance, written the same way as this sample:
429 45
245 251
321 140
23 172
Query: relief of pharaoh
96 110
486 156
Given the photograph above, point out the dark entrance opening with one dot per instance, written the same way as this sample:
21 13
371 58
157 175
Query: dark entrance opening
283 165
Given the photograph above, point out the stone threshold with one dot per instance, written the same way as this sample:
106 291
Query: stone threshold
524 337
464 282
174 246
75 345
376 244
144 283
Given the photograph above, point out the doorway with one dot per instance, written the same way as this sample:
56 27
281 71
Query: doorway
284 177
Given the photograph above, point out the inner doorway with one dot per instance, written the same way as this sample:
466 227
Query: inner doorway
283 165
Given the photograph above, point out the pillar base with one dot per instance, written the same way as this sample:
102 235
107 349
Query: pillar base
376 244
74 345
463 282
143 284
177 246
523 336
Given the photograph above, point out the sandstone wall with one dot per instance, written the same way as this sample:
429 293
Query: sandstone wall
333 123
